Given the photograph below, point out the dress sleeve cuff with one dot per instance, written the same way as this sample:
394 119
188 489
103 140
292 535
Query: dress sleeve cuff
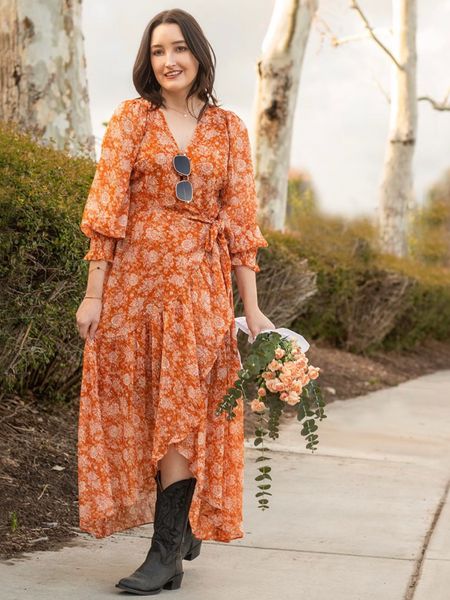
247 259
101 247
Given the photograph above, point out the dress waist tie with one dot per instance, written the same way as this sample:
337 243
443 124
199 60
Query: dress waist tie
216 233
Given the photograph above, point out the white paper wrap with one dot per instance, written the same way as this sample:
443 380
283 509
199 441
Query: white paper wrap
241 323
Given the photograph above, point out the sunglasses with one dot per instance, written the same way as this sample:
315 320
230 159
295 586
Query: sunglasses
183 189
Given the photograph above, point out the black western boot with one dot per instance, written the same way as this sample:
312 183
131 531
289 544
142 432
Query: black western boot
190 547
163 567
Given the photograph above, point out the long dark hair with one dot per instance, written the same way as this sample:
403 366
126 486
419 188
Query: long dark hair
144 78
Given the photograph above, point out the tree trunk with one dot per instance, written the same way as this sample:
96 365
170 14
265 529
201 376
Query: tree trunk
397 196
42 72
278 79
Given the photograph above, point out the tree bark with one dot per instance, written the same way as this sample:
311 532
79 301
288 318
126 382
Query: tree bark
397 195
43 73
278 79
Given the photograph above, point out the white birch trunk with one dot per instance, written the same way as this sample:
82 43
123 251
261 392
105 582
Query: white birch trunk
43 72
397 195
278 79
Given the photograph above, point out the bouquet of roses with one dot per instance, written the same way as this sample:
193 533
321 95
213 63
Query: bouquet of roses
278 367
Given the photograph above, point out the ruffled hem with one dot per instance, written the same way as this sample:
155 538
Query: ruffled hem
137 415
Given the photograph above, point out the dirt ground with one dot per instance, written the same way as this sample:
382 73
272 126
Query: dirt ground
38 443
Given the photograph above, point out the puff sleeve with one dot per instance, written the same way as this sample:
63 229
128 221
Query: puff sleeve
105 213
238 198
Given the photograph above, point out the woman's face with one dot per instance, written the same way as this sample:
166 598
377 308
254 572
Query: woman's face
169 52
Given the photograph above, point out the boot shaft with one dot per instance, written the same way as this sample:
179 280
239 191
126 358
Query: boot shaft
171 516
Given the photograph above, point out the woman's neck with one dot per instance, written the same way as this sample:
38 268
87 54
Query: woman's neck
179 103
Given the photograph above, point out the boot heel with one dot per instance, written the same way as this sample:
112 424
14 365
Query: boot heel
174 583
193 553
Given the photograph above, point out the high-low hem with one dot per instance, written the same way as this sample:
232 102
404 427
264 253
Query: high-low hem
216 463
144 512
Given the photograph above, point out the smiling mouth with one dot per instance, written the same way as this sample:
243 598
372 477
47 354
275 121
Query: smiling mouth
173 74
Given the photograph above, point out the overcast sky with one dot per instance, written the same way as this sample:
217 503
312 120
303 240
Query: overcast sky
342 114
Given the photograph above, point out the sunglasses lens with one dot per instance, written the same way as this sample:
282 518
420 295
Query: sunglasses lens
182 164
184 191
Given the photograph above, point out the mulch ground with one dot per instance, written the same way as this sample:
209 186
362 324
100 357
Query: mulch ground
38 443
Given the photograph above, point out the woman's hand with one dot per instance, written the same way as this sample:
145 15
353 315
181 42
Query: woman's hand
88 317
257 321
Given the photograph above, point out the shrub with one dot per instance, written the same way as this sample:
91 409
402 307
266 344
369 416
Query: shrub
42 277
367 300
430 235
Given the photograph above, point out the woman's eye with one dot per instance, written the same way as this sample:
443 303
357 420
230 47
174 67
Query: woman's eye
155 52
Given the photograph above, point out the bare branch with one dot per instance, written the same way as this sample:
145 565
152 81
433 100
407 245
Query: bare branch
324 30
352 38
354 5
383 91
434 103
319 20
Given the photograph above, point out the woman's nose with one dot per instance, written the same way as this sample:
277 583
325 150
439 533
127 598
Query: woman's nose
170 60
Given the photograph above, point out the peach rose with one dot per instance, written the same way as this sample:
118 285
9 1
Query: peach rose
268 375
279 353
286 378
274 365
292 398
297 386
273 384
289 368
279 386
301 361
261 391
313 372
257 406
297 370
304 379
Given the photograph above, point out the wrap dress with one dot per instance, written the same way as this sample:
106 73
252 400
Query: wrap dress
165 350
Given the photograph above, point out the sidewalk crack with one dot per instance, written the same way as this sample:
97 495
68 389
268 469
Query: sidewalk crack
417 572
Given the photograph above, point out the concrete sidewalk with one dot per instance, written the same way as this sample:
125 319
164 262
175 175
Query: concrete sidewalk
366 517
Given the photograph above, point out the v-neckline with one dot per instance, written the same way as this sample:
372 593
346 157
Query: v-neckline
194 135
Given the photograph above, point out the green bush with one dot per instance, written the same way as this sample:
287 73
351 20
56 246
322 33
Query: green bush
367 300
427 309
42 273
430 234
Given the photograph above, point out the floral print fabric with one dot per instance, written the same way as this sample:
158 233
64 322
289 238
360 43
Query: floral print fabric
165 350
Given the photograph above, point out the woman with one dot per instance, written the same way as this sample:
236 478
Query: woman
171 211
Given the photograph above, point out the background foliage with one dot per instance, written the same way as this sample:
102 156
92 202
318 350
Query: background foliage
322 277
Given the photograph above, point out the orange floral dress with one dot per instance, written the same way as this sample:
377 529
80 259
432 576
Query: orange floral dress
165 350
